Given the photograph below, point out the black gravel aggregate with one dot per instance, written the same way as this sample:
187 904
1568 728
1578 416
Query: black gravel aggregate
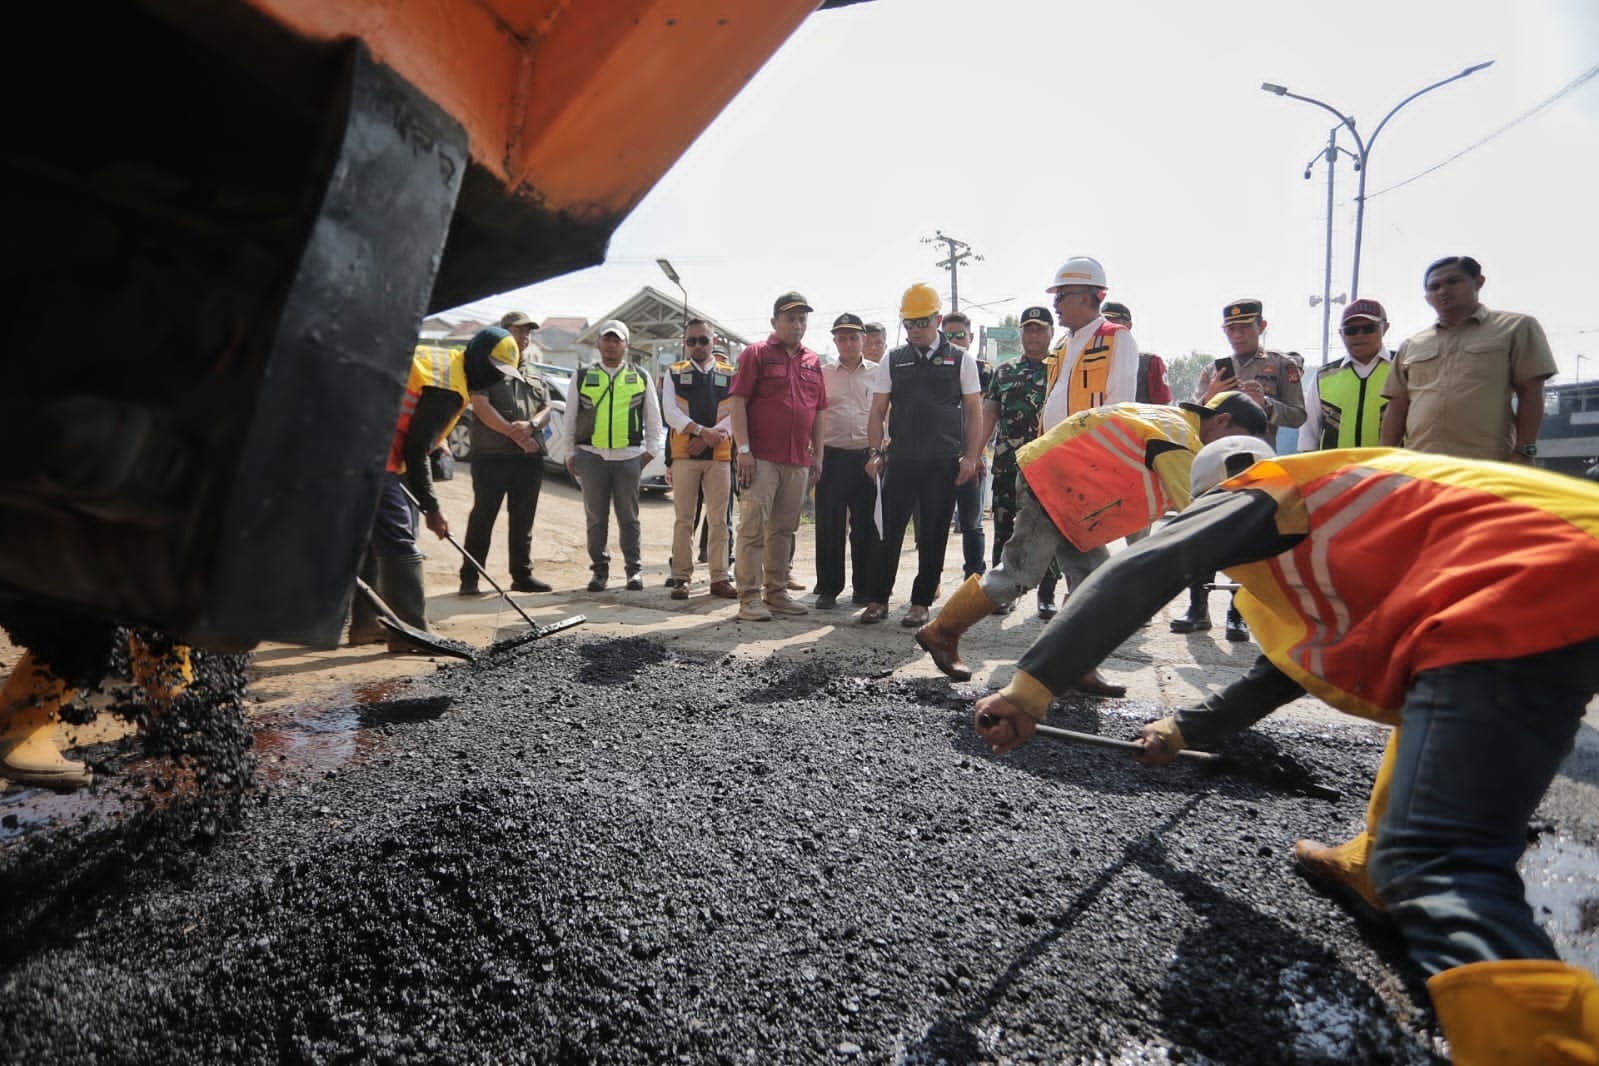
605 851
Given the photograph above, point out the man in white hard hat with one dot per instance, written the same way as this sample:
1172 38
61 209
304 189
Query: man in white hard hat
1096 363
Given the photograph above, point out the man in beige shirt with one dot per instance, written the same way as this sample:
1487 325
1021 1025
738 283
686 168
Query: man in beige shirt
1451 386
846 497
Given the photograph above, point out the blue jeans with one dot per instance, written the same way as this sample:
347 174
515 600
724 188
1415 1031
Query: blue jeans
1478 746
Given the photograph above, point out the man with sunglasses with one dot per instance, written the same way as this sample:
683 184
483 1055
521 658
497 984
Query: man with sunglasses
1451 387
937 404
696 401
1344 403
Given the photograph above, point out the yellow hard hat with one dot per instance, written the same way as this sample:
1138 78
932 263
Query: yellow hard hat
920 301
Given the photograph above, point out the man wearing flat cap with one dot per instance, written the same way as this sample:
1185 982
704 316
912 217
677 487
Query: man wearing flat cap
1272 380
778 398
1344 403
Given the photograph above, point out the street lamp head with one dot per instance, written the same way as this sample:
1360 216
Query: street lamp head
1479 66
666 268
1278 90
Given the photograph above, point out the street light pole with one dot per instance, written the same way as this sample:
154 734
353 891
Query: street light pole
1365 146
671 275
1330 154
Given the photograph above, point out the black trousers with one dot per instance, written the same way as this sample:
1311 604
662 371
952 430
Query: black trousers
514 480
926 488
846 501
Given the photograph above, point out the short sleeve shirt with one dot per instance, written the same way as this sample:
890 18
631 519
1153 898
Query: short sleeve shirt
783 396
1460 380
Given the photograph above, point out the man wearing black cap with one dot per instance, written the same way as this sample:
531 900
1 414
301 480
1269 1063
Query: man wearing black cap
1013 403
875 342
1271 379
1344 403
510 409
845 497
778 399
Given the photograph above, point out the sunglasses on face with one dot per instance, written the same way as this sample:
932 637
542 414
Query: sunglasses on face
1352 331
695 342
957 334
918 323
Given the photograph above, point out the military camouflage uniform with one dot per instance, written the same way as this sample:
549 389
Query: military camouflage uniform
1017 390
1279 379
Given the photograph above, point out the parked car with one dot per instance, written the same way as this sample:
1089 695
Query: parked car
559 380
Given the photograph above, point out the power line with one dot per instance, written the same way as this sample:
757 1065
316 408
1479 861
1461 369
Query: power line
1570 87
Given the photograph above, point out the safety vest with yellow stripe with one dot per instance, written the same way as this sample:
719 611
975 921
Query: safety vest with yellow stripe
1414 562
431 367
610 408
1351 405
1111 471
1090 374
704 395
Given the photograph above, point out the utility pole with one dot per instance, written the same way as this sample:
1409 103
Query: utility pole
1330 154
958 252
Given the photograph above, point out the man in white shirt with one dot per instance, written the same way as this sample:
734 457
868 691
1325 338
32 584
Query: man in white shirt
1344 403
1096 363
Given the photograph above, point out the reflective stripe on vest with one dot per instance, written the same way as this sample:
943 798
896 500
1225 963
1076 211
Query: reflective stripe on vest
717 382
431 367
1090 374
1351 406
1091 477
1413 562
611 408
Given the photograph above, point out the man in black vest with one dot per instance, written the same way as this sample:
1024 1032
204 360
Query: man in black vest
510 407
937 444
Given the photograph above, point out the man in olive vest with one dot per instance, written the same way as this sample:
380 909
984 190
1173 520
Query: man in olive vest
510 408
612 430
1344 403
1377 581
695 397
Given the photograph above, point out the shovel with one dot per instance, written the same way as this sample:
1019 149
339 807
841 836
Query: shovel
431 641
539 632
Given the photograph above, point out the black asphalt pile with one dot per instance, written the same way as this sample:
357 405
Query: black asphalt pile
598 851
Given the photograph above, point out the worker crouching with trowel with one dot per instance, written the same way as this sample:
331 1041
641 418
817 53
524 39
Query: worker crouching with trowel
1445 596
1097 476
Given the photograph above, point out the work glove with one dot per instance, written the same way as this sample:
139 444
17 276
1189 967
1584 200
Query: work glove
1160 742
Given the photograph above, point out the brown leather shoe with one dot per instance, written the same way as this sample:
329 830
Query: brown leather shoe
875 612
1095 685
945 650
679 590
724 589
796 586
915 615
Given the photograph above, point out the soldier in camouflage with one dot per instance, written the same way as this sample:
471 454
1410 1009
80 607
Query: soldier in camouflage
1013 404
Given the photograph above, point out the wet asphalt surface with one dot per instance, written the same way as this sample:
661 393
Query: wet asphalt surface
604 851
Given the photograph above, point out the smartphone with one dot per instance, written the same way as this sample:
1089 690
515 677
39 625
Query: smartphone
1224 369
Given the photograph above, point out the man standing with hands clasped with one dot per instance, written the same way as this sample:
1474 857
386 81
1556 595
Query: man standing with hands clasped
777 401
699 411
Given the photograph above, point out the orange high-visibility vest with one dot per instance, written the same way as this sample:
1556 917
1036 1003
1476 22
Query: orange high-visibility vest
1413 562
1091 475
1090 374
441 368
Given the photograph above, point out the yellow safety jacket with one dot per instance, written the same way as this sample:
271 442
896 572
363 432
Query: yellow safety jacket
1090 374
1110 471
431 367
1351 406
1412 562
704 395
610 408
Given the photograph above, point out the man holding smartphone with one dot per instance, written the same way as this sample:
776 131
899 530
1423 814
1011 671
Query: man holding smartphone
1272 380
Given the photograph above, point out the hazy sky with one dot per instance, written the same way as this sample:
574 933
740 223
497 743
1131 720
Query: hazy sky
1137 133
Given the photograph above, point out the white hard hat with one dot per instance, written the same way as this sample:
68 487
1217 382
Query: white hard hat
1225 458
1079 270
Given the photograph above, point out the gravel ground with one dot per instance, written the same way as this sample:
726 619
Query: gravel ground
610 851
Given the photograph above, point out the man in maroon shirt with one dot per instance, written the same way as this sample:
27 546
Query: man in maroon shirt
777 400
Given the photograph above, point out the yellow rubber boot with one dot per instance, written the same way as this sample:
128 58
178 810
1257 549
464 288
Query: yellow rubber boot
30 705
1520 1012
162 676
1342 870
941 636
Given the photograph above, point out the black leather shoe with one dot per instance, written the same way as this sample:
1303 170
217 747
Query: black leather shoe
1005 608
635 582
468 590
1191 623
529 584
826 601
1237 628
598 582
1047 608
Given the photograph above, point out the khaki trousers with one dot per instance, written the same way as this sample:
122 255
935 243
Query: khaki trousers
768 515
690 477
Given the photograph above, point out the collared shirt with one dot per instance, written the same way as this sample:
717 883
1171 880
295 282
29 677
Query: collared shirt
653 433
783 396
883 380
1310 432
849 402
1460 380
678 418
1120 387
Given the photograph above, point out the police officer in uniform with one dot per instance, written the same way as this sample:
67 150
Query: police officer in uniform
1272 380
